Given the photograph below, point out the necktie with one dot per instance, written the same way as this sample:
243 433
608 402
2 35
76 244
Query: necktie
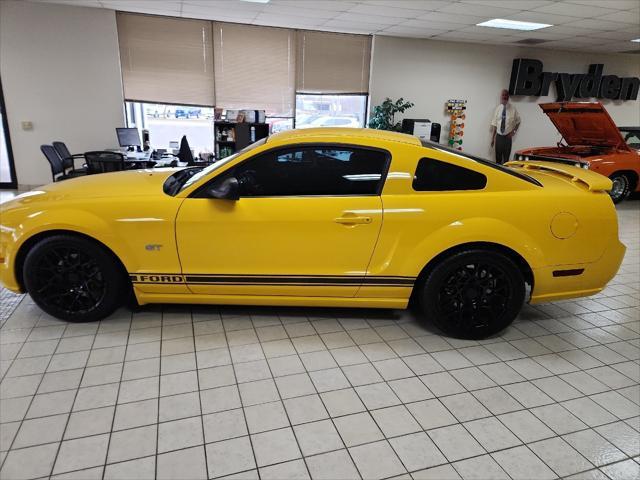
504 119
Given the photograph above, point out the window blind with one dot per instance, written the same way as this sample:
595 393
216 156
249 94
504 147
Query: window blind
166 60
254 68
333 62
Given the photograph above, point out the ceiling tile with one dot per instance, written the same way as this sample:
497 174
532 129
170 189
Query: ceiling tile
333 6
540 17
287 21
487 32
420 23
596 24
141 7
360 26
82 3
298 12
614 35
571 9
217 14
226 5
478 10
375 19
424 32
409 4
563 30
543 34
511 4
623 17
389 10
453 18
612 4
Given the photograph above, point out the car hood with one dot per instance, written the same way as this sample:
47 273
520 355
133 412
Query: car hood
584 123
131 183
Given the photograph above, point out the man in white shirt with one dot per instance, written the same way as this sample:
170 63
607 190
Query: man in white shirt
504 125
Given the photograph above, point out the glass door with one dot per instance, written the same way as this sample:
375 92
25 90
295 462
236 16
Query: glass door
7 167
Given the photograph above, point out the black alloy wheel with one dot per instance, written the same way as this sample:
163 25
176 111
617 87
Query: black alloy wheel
73 278
473 294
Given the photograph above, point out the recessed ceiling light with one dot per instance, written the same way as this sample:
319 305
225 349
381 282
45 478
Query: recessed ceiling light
513 24
637 40
256 1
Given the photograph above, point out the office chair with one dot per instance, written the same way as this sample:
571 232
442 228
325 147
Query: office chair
104 162
68 159
58 171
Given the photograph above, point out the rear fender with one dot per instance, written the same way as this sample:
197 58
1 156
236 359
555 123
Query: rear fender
475 230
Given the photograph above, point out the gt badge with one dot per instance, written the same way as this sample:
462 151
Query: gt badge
153 247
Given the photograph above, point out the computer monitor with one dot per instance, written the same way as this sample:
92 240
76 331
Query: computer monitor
128 137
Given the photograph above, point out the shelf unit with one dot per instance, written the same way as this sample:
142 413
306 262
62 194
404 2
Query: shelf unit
233 136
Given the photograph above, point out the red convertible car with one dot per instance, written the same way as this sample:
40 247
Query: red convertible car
590 140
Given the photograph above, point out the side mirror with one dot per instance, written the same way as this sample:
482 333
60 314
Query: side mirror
228 189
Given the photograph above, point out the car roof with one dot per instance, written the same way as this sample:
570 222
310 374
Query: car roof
344 134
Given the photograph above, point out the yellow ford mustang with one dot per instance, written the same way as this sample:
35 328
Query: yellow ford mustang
319 217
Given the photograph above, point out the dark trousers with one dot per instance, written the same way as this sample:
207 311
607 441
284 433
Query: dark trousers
503 148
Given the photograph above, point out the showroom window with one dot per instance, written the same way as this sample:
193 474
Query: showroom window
313 110
168 123
325 170
436 176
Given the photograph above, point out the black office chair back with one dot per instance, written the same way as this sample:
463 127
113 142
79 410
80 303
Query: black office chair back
64 154
184 154
104 161
54 161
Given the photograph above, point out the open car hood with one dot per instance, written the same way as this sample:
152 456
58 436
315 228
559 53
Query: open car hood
584 123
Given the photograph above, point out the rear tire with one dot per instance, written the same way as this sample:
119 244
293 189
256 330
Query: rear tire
73 278
473 294
621 188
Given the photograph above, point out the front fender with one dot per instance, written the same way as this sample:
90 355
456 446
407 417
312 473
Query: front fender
71 220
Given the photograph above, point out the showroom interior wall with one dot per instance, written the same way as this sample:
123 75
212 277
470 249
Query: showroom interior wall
60 70
429 72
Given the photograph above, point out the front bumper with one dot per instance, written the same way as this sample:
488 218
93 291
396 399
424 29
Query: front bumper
592 280
7 261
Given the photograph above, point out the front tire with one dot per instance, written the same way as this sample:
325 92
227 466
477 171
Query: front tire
473 294
73 278
621 188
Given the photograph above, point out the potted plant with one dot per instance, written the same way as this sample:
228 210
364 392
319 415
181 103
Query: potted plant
383 117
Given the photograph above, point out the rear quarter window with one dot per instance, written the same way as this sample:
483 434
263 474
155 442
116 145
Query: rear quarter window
437 176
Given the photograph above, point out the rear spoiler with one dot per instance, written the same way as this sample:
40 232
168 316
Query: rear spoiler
592 180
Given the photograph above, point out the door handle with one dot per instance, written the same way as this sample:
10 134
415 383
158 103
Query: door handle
353 220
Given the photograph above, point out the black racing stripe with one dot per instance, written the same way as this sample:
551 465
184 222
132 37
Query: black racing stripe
277 284
300 280
297 280
225 275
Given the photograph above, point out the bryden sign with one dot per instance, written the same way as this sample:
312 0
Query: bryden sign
527 78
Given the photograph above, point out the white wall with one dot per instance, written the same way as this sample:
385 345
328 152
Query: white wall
429 72
60 69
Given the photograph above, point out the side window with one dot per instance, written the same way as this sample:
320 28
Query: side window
304 171
436 176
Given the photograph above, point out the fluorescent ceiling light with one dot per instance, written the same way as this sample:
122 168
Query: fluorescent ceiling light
637 40
256 1
513 24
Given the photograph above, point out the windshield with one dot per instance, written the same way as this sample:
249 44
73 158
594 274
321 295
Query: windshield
632 137
487 163
211 168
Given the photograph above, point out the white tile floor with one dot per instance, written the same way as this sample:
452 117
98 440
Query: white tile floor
195 393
